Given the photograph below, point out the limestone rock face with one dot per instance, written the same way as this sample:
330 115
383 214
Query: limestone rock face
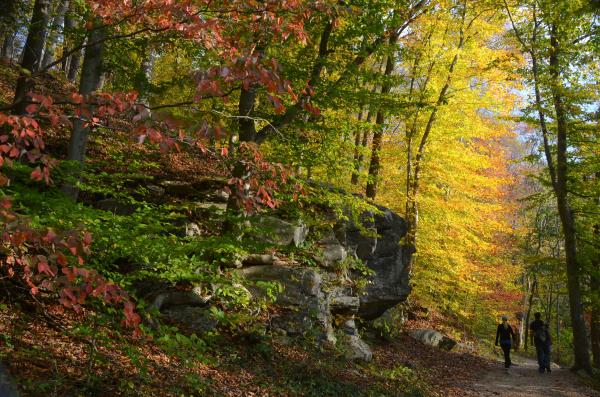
315 296
333 251
322 300
303 297
387 258
280 232
312 299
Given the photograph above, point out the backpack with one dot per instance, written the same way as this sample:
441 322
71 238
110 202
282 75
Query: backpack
541 333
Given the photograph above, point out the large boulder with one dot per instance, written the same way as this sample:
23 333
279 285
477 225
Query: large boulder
433 338
312 299
355 349
388 259
303 298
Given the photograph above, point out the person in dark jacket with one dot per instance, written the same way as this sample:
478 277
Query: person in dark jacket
506 336
540 337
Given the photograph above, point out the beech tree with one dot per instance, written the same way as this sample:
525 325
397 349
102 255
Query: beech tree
554 35
56 26
32 53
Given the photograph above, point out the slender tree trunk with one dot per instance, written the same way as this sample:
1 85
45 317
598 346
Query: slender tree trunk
247 126
146 69
580 339
74 61
595 292
529 307
386 87
595 333
366 135
8 47
375 164
297 109
91 73
8 21
357 140
69 26
32 53
57 22
557 355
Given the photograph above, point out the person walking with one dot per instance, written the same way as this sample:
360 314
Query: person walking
506 336
540 338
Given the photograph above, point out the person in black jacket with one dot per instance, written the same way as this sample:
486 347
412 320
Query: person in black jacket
540 337
506 336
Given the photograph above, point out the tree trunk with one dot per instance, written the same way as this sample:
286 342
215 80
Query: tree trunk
91 73
247 126
528 316
296 109
146 69
386 87
32 53
557 355
375 164
595 292
357 141
69 26
57 22
363 147
580 338
74 61
595 333
8 47
8 21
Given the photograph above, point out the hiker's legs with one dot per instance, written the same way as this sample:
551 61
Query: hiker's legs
546 363
506 350
539 349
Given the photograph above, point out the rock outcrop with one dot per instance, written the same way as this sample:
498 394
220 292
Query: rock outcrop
317 298
386 257
323 300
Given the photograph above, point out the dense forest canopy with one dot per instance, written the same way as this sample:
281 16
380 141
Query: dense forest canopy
477 121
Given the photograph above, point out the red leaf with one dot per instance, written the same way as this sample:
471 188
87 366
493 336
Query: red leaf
37 174
44 268
32 108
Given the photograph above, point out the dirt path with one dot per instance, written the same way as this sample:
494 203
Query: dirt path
524 380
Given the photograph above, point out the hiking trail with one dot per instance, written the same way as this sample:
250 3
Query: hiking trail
524 380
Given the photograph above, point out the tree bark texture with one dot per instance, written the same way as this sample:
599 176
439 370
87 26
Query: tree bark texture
32 53
91 73
57 23
8 20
